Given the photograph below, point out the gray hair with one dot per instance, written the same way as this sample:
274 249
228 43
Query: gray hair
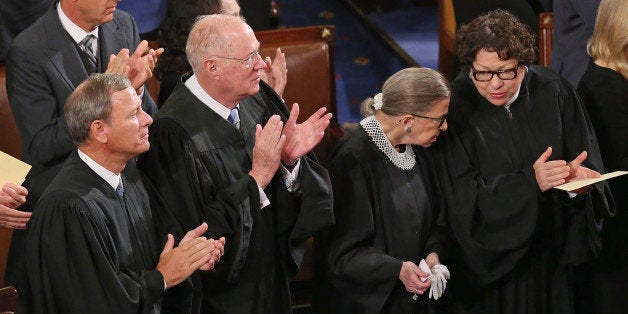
206 38
92 101
411 90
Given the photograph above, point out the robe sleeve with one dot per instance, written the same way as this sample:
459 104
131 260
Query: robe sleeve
307 210
587 212
357 266
72 264
493 219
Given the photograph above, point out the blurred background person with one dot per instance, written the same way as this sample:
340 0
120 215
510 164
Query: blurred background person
148 15
16 16
573 25
174 33
604 91
516 130
387 207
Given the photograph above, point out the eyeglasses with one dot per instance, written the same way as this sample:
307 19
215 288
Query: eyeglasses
440 120
485 76
248 61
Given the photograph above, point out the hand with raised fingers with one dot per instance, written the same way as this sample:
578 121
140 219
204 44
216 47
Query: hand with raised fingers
118 64
141 64
550 173
178 263
301 138
578 171
276 72
269 143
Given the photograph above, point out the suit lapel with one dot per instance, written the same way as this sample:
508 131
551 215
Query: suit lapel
111 40
62 51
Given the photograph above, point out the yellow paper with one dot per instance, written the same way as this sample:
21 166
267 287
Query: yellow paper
12 169
576 184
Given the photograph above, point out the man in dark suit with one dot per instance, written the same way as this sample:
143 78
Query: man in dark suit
574 21
44 65
16 16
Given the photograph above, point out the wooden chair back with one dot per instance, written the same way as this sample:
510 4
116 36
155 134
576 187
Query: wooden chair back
546 35
8 300
311 75
446 38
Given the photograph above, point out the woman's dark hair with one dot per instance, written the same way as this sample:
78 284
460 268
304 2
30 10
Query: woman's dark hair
496 31
174 33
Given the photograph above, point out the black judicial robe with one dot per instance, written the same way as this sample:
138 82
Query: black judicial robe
604 93
199 164
89 250
384 216
517 246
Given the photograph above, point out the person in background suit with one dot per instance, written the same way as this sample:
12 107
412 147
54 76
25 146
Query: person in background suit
148 14
92 246
260 187
573 25
44 65
174 33
16 16
11 197
604 91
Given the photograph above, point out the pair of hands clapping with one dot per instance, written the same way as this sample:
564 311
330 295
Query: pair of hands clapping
195 252
275 143
138 67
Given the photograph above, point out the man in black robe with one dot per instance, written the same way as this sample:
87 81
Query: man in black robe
45 63
92 246
210 156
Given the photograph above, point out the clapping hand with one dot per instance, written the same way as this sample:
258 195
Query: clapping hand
301 138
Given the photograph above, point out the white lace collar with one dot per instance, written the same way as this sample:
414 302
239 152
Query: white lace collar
404 161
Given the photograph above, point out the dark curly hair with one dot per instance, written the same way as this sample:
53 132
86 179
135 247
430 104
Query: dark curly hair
496 31
174 33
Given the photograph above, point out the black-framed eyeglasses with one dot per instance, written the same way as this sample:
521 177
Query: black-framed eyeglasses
440 120
485 76
248 61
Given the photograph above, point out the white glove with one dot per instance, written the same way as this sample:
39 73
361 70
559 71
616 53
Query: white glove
440 275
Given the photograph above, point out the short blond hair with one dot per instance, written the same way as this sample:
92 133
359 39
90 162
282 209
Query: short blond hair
610 37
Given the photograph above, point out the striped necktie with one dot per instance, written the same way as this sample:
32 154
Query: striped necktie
87 46
234 117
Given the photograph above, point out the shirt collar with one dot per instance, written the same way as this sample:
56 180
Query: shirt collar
195 87
74 30
111 178
516 94
514 97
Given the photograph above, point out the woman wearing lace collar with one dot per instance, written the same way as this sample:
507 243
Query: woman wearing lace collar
388 212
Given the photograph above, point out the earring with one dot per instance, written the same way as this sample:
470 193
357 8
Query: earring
409 130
